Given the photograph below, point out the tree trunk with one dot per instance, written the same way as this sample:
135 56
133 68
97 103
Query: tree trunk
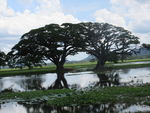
60 82
100 64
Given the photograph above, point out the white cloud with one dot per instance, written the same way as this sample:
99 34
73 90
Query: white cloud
4 10
48 7
14 23
48 11
134 15
25 2
144 38
136 11
104 15
140 27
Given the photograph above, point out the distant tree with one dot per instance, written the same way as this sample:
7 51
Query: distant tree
2 59
147 46
107 42
52 42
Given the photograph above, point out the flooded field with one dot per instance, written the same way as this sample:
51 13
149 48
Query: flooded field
78 79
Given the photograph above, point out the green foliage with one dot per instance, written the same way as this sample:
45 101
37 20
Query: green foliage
52 42
23 55
107 42
55 42
147 46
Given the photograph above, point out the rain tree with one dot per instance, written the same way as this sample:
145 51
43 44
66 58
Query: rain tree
147 46
52 42
2 59
107 42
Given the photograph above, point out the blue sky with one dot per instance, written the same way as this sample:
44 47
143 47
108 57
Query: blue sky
20 16
84 9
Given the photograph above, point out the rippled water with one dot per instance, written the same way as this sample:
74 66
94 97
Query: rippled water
78 79
101 108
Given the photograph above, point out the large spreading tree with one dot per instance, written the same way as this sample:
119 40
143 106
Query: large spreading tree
107 42
52 42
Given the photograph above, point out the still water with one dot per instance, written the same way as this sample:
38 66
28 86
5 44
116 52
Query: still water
14 107
78 79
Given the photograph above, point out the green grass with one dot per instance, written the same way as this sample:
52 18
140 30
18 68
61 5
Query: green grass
12 72
74 66
45 69
32 94
63 97
130 95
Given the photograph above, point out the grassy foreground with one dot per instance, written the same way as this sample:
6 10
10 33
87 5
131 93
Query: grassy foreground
69 67
129 95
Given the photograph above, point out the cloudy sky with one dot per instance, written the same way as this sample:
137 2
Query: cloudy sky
20 16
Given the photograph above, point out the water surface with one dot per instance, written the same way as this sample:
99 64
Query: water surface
78 79
14 107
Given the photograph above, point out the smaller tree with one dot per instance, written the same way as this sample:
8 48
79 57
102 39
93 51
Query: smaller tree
107 42
147 46
2 59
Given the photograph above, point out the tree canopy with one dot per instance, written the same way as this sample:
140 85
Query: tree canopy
107 42
24 54
55 42
147 46
52 42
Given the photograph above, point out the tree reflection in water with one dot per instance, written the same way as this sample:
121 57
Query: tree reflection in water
108 79
101 108
24 83
32 84
60 82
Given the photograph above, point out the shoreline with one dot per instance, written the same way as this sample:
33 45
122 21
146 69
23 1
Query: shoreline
70 67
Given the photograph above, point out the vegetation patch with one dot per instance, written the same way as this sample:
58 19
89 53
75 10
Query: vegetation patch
32 94
62 97
112 94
